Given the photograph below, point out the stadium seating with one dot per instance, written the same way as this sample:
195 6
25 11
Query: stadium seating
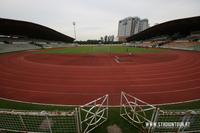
182 45
16 47
19 45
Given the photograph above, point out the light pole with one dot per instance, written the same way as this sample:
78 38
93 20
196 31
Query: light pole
74 24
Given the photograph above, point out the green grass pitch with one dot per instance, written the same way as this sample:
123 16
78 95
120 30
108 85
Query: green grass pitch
101 50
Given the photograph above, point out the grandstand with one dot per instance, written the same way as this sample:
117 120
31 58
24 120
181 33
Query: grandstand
179 28
16 47
182 45
177 34
21 29
177 44
20 45
18 35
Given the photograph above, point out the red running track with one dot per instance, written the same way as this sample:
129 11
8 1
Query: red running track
172 76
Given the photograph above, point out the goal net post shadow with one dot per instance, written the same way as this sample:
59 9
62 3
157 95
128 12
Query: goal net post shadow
137 112
93 114
82 119
180 121
151 119
35 121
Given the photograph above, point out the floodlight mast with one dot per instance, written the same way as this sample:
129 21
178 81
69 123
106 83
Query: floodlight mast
74 24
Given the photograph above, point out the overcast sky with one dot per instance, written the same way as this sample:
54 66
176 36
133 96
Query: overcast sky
95 18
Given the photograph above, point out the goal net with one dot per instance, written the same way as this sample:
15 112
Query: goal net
93 114
48 122
178 121
151 119
81 119
137 112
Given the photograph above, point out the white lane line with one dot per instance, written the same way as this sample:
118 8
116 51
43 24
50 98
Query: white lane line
165 92
116 59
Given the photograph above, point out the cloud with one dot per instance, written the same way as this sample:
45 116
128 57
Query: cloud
95 18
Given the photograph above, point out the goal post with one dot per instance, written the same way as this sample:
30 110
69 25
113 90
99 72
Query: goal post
93 114
82 119
137 112
151 119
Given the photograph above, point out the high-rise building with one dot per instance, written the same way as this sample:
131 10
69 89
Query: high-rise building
130 26
125 27
135 26
144 24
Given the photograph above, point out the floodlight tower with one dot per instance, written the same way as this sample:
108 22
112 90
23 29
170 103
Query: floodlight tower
74 24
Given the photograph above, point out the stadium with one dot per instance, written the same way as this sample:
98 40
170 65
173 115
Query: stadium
153 78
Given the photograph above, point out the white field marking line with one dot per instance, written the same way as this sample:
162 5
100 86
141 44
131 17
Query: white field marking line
171 103
51 65
170 72
97 94
129 75
151 72
38 63
100 94
166 83
12 100
125 77
161 92
154 84
192 68
25 55
75 105
48 92
22 58
116 59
